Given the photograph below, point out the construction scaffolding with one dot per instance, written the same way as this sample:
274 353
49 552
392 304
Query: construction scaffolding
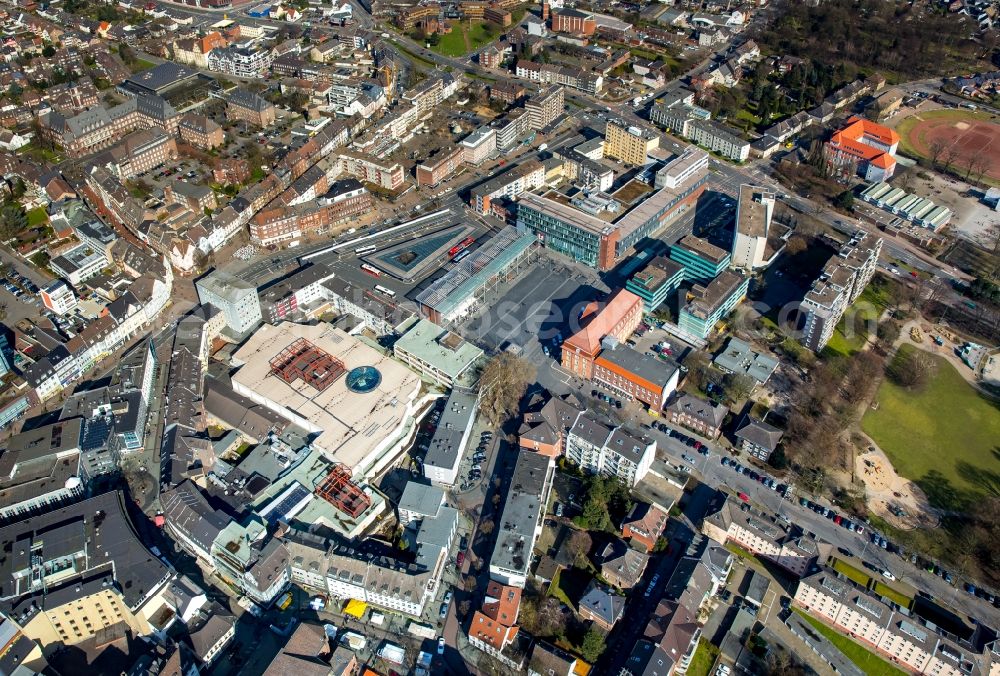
338 489
303 360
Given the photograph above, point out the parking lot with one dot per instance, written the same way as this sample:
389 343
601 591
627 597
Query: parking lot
537 308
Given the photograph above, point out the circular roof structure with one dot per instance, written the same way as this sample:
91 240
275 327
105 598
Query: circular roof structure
363 379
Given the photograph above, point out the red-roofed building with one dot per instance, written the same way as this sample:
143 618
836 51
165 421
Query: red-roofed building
617 319
869 146
644 525
495 626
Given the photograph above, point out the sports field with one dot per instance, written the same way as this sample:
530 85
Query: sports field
959 135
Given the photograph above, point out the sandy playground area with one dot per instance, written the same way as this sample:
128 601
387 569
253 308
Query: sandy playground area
891 497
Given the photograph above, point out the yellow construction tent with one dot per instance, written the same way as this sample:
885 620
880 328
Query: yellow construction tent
355 608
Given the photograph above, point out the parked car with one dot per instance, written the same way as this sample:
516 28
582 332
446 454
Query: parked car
888 575
559 509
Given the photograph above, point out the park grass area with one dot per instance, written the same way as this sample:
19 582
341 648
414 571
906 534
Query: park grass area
866 660
141 65
943 436
465 38
704 657
851 573
852 330
37 216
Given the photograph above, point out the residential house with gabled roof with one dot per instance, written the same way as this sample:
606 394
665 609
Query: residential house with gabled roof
601 605
494 628
620 564
544 430
548 660
758 438
644 525
699 415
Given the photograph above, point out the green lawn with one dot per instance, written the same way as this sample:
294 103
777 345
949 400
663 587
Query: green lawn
37 216
478 34
568 585
867 661
704 657
945 436
852 573
895 596
859 321
141 65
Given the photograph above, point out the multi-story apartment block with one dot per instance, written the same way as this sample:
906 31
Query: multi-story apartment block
520 524
618 319
511 127
842 281
509 184
246 106
291 295
200 131
59 297
545 106
600 449
569 20
900 635
364 168
508 92
381 581
243 61
628 143
864 148
753 222
440 166
479 145
577 78
236 299
656 282
707 305
719 138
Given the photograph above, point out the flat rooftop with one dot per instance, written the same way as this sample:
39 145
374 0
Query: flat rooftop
356 415
703 248
516 526
751 217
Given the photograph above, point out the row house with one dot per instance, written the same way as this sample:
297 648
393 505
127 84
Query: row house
871 620
758 533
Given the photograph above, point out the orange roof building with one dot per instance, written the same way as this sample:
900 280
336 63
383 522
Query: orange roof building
869 145
494 627
618 318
